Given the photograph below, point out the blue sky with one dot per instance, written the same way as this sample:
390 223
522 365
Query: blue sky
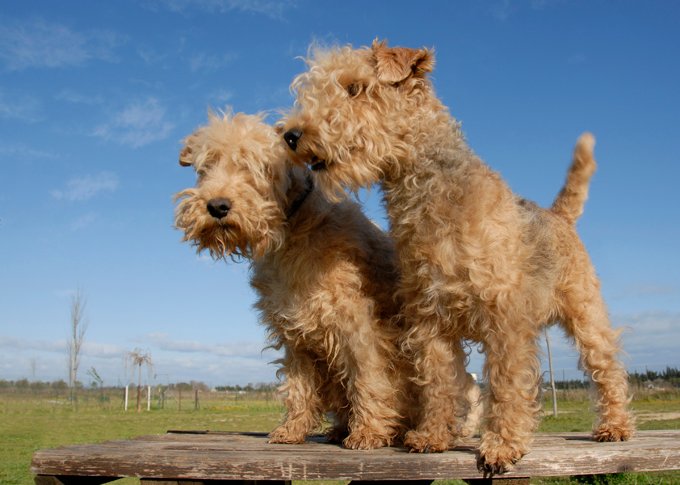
95 98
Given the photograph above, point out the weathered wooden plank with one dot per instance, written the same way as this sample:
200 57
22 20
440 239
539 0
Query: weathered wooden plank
218 456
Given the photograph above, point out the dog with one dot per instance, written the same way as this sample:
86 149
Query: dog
477 262
325 277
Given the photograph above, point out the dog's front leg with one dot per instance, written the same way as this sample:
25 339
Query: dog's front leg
303 405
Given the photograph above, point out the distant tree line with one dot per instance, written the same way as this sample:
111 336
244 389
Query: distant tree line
60 385
670 376
259 387
572 384
188 386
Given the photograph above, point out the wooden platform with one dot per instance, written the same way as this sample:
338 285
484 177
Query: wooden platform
195 457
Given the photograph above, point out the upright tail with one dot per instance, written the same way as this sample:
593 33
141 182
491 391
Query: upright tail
569 202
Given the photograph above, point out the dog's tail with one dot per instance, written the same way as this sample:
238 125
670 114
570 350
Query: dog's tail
569 202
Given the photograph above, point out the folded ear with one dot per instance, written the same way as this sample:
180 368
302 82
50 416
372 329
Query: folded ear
394 64
185 157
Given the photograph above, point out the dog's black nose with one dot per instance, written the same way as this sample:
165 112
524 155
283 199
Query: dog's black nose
219 208
292 137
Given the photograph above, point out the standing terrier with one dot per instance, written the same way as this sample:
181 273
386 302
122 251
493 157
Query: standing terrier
325 276
478 262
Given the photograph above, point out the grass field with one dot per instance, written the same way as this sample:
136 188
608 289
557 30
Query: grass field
29 422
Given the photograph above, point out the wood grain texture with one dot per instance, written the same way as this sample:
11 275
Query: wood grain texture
247 456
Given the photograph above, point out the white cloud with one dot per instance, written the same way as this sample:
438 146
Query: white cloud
501 10
151 56
216 363
103 351
274 9
653 334
646 290
84 221
220 98
79 98
577 59
42 44
21 107
542 4
238 349
12 343
213 370
173 361
649 340
137 124
106 351
19 151
86 187
268 96
208 62
46 360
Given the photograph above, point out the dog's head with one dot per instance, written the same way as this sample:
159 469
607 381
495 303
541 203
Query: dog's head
355 111
238 206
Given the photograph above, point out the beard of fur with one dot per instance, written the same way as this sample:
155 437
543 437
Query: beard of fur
352 160
236 238
363 141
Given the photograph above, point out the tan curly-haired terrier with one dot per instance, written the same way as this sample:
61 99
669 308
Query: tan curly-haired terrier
325 276
478 262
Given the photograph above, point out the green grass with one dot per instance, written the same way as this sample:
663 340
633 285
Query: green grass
31 422
27 425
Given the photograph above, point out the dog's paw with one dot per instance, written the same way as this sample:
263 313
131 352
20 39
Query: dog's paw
609 432
497 456
284 435
422 442
365 441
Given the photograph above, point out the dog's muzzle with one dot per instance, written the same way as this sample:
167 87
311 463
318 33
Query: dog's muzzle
292 137
219 208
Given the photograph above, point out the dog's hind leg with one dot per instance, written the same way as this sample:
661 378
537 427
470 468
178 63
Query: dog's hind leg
585 319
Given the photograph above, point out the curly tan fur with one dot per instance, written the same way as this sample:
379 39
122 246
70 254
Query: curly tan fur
478 263
325 276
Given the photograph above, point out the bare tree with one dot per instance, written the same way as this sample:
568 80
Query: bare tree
139 359
96 378
97 382
78 327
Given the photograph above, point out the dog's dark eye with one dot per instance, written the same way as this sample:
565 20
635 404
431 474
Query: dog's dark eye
353 89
